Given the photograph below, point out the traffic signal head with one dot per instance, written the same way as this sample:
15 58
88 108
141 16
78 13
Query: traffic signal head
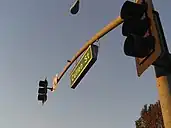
143 33
42 91
75 7
135 26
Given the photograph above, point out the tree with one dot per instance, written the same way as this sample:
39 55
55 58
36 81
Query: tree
150 117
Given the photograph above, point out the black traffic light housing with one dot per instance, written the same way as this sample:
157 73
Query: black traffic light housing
135 26
42 91
75 7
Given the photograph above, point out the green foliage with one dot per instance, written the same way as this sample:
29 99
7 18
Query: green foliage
150 117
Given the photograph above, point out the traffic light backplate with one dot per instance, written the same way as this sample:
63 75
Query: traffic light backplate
143 63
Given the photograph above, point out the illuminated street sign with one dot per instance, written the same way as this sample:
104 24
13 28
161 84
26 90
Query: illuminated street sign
83 65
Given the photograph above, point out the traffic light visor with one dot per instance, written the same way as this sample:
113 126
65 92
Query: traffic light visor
137 27
42 97
131 10
42 90
43 83
137 46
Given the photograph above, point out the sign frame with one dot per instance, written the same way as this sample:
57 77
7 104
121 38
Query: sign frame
84 64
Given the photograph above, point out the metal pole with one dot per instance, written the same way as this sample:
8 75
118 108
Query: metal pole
113 24
163 80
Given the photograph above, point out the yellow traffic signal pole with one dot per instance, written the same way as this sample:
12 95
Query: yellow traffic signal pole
113 24
163 79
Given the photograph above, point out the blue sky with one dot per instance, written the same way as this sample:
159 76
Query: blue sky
36 39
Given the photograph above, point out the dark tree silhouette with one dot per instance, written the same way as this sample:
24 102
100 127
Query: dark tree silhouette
150 117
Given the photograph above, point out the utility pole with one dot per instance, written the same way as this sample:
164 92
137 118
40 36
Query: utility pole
163 78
